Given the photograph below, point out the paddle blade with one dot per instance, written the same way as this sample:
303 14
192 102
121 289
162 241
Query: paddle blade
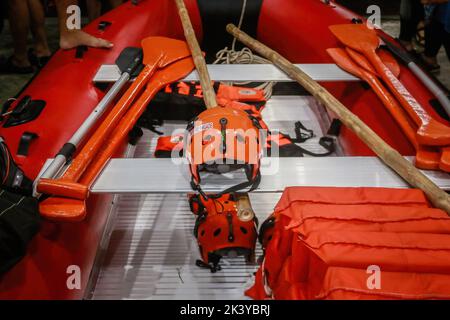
361 60
427 158
164 50
445 160
63 209
173 72
385 56
342 59
356 36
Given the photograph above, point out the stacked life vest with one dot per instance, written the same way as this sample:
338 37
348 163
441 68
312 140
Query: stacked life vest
354 243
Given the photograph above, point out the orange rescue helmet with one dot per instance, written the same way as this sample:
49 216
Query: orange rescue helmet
222 140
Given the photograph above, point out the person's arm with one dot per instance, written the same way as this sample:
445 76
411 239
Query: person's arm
73 38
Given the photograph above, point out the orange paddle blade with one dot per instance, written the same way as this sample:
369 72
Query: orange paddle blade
427 158
356 36
163 77
165 50
342 59
158 52
388 60
74 210
444 164
63 209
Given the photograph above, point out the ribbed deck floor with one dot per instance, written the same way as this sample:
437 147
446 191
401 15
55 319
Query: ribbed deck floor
152 250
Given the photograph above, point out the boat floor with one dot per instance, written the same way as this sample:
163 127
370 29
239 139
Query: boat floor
151 251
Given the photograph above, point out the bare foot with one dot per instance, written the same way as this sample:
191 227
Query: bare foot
21 62
75 38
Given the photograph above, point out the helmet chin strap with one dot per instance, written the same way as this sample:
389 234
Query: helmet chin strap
253 184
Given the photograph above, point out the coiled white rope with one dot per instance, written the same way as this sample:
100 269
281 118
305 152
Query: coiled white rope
244 56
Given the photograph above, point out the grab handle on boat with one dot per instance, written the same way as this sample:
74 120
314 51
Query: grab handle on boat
386 153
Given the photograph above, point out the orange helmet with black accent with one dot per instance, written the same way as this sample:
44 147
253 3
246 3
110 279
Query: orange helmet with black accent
222 140
220 231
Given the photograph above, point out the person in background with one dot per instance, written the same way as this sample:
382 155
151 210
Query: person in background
73 38
29 15
94 7
411 13
437 31
26 15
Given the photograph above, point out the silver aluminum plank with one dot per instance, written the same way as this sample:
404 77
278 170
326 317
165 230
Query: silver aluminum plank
280 113
163 176
245 72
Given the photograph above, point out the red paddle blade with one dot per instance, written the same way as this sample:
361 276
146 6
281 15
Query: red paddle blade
342 59
356 36
164 50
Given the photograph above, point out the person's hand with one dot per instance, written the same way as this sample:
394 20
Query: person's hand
73 38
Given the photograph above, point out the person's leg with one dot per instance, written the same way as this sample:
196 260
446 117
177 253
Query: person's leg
37 15
115 3
411 12
72 38
94 9
19 21
434 36
447 44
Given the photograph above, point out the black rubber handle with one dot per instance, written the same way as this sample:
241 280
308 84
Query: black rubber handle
129 59
21 106
400 53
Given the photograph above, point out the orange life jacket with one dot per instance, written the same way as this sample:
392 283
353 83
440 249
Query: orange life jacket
323 241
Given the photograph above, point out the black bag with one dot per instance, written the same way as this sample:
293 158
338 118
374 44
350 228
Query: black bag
12 177
19 223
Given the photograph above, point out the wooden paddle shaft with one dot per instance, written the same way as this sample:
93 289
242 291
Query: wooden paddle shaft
205 81
387 154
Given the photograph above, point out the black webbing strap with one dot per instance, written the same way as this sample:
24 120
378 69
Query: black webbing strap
253 184
302 133
325 142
